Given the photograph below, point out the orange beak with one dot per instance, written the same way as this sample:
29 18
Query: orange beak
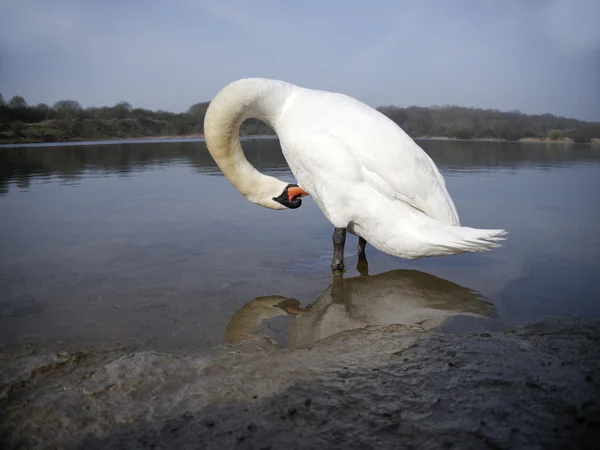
295 192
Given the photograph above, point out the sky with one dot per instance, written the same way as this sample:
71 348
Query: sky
535 56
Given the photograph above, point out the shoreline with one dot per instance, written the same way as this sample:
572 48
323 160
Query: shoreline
533 385
200 137
137 140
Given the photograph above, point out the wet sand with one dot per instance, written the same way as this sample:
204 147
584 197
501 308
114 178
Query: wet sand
535 386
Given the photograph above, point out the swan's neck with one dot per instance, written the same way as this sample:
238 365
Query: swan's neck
249 98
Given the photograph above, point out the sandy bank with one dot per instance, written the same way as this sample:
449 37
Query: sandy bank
564 140
536 386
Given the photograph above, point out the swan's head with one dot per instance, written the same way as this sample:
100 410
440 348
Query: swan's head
291 196
270 192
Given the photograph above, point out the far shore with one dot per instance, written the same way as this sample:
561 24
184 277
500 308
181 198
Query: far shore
200 136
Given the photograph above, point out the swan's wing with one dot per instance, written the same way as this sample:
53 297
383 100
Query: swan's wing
410 183
391 162
336 135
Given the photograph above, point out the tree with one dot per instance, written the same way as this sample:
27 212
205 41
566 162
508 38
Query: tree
40 112
141 113
198 111
121 110
67 109
554 134
17 102
1 100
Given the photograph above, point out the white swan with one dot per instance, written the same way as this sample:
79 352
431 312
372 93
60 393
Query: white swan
364 172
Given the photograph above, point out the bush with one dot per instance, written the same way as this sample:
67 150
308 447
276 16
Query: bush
554 134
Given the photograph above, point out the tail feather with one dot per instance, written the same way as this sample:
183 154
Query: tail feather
412 240
465 239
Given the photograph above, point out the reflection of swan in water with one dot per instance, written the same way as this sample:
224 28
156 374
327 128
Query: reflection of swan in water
395 297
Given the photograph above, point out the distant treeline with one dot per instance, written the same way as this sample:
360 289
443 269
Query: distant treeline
67 120
474 123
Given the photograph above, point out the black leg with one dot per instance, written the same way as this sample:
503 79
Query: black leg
339 241
362 266
362 243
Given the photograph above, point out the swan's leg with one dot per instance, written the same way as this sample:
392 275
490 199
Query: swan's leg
363 265
362 244
339 241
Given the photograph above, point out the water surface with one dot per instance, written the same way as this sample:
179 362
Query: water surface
147 244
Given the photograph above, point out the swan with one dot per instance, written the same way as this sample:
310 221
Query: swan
365 174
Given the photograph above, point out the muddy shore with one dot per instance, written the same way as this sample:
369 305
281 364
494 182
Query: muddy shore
535 386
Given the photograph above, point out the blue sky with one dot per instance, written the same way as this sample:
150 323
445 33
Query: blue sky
533 55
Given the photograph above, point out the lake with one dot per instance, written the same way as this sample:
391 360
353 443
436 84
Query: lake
148 245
